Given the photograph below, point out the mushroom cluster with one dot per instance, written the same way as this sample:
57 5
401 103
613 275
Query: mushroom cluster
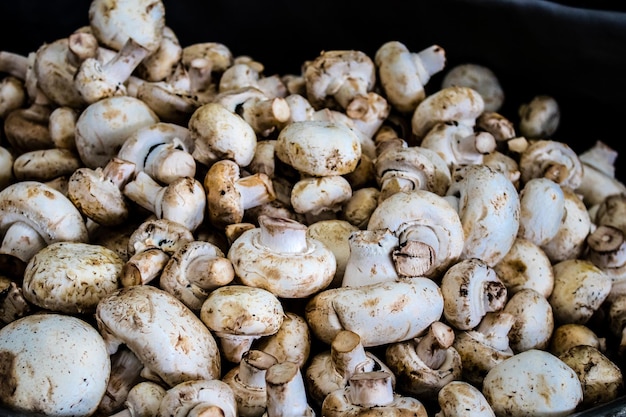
182 234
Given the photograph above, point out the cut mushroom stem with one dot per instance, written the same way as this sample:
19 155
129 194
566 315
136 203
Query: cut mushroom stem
607 247
283 235
371 389
143 267
348 354
286 393
432 347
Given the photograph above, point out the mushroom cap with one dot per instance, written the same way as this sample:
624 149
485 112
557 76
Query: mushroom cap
319 148
103 126
71 277
534 321
455 103
479 78
242 310
316 195
114 22
553 159
524 385
292 341
219 55
97 197
166 336
219 134
224 200
460 398
181 399
68 363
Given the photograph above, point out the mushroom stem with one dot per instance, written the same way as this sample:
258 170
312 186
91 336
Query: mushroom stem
370 258
371 389
122 65
482 143
144 191
233 346
118 171
81 45
348 354
286 394
255 190
282 235
253 367
432 347
143 267
495 328
13 64
607 247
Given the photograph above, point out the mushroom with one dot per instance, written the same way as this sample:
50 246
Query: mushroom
568 335
458 144
320 198
477 77
149 248
525 265
580 288
6 167
428 229
45 164
143 400
26 129
606 249
601 379
97 193
454 103
542 207
462 399
489 208
247 380
426 364
286 392
404 74
400 167
331 370
335 235
611 212
71 277
219 134
162 150
471 289
371 393
279 257
12 95
540 117
183 200
380 313
199 397
161 63
533 382
238 315
13 305
206 62
292 342
62 126
194 270
32 216
370 259
69 375
551 159
172 343
485 346
103 126
359 208
534 320
598 180
319 148
229 193
245 72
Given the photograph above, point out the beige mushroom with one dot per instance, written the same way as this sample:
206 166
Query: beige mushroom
286 392
598 180
292 342
568 335
480 78
551 159
45 164
534 320
540 117
462 399
199 397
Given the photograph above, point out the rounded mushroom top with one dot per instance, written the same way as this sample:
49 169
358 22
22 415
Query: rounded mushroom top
115 21
319 148
479 78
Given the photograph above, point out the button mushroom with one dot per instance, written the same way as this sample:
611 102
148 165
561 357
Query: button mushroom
173 344
477 77
67 361
238 315
199 397
462 399
540 117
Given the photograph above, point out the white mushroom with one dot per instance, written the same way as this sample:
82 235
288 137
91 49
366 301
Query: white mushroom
551 159
103 126
371 258
598 180
238 315
404 74
470 290
45 164
320 198
32 216
428 228
462 399
426 364
489 209
143 400
173 344
71 277
380 313
286 392
219 133
568 335
331 370
162 150
66 377
480 78
542 207
540 117
194 270
279 257
247 380
533 382
534 320
199 397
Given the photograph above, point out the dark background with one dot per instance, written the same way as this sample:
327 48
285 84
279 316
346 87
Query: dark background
572 50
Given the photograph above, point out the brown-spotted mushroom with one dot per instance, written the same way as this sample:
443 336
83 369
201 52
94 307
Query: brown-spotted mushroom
540 117
480 78
172 343
551 159
199 397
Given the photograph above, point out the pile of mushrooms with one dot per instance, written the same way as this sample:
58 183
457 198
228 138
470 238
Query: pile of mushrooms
183 234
